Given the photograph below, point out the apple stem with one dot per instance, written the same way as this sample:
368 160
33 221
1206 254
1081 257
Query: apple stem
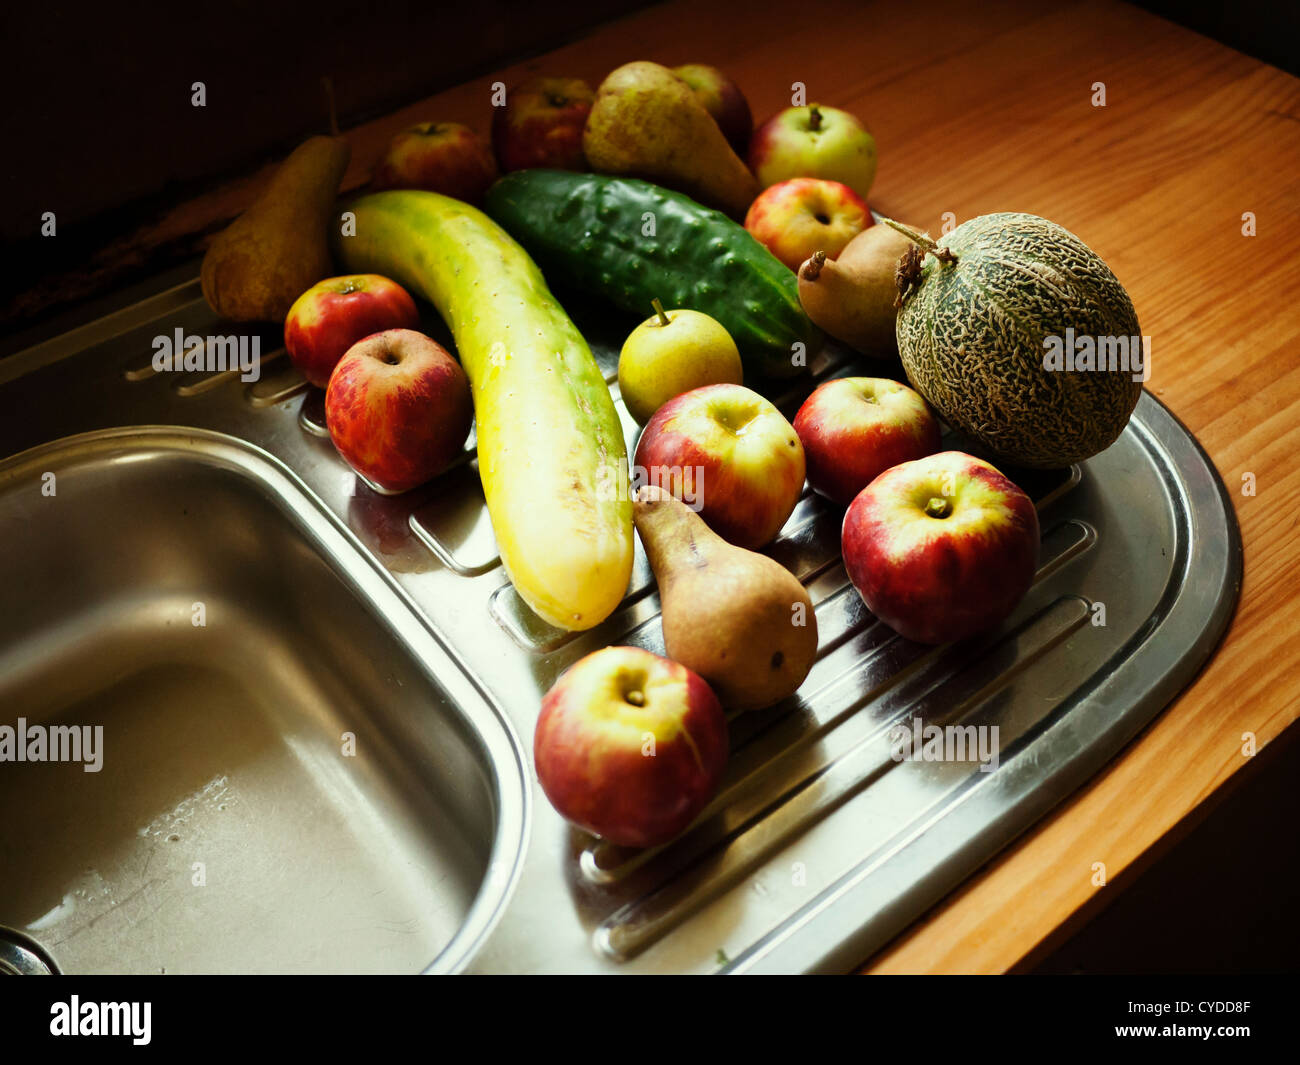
659 310
938 507
328 85
814 118
811 270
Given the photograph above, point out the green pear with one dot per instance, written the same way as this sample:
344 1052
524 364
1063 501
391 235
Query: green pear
277 249
648 123
671 353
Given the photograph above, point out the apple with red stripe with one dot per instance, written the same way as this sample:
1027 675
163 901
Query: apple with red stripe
730 455
854 428
722 99
541 124
398 409
445 157
335 313
795 218
941 548
630 746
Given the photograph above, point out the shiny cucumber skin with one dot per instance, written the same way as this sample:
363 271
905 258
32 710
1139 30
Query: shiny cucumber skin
629 242
551 452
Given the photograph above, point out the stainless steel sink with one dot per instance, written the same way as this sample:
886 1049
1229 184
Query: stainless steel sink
292 774
818 849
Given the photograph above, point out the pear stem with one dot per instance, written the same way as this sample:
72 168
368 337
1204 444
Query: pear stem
659 310
811 270
328 85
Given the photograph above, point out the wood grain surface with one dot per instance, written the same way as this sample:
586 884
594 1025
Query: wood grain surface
989 107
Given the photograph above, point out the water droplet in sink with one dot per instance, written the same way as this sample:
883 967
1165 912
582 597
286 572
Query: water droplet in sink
61 912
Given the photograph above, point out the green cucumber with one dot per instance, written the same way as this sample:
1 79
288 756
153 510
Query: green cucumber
629 242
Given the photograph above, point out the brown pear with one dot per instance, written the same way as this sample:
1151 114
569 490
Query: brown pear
851 296
277 249
739 619
648 123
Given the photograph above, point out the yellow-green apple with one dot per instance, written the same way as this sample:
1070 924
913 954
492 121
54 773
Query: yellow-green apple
795 218
670 353
630 746
730 455
398 408
941 548
444 157
335 313
855 428
814 141
541 125
722 99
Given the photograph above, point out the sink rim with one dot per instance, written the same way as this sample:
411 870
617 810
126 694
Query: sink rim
503 754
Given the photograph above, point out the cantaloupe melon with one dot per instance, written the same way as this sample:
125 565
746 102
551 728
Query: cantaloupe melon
978 314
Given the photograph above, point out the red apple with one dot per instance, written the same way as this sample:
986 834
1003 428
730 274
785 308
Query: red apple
941 548
730 455
442 157
335 313
814 141
398 408
630 746
723 99
795 218
854 428
541 125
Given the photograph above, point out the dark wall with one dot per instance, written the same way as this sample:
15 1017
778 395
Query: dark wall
97 97
1266 29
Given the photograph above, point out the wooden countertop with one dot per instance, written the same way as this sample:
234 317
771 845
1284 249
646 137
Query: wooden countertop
989 107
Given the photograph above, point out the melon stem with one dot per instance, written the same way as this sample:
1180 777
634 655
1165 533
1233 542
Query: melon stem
916 237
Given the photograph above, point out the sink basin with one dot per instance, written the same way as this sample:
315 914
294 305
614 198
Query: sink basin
283 768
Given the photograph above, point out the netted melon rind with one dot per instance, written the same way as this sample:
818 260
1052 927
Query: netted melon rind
971 340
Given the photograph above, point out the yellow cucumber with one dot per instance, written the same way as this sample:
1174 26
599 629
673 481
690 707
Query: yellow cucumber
550 447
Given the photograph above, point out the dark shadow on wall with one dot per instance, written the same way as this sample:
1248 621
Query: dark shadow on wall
1225 899
98 98
99 122
1266 29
